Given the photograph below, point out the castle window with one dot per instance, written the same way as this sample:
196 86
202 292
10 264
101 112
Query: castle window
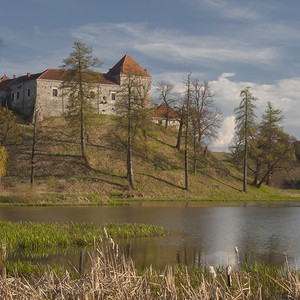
18 94
113 96
28 92
12 96
54 92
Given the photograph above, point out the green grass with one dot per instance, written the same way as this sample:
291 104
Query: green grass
130 230
40 237
29 269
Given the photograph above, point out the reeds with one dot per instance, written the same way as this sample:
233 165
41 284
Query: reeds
112 276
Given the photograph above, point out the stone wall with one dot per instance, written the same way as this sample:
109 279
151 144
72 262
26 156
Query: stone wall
47 96
23 95
104 100
53 101
141 84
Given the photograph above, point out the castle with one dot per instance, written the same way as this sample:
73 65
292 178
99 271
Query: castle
44 90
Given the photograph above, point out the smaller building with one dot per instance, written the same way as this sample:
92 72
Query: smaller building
163 113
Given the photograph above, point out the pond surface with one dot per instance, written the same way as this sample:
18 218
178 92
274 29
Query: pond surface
199 235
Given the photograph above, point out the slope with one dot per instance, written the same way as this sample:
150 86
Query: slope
61 176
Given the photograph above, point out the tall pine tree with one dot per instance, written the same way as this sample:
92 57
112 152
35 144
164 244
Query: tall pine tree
79 81
245 127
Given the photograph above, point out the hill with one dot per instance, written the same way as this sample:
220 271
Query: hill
62 177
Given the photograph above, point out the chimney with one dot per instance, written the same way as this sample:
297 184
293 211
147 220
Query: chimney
28 75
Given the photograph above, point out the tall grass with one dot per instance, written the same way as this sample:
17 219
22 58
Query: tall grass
44 237
113 276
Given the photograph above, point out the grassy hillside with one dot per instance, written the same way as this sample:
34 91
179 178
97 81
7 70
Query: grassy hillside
61 176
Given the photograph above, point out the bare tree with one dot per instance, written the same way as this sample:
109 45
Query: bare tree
165 92
35 139
186 139
205 118
180 110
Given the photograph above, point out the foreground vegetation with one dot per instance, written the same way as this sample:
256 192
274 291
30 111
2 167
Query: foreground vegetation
112 276
61 177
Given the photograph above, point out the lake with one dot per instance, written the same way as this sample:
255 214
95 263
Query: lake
200 233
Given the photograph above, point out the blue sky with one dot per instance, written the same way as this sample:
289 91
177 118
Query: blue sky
230 43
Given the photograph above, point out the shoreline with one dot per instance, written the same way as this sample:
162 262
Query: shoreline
167 202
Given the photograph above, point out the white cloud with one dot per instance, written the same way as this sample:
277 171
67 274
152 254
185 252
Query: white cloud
232 9
284 95
225 135
172 46
169 53
227 75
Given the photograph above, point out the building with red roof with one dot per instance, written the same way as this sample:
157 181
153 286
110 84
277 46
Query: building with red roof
44 90
163 113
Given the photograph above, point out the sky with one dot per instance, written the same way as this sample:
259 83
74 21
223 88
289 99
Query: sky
232 44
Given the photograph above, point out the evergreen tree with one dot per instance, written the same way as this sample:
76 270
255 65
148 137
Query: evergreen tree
275 148
245 128
79 81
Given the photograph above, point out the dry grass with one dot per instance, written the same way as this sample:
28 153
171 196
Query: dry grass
113 276
158 167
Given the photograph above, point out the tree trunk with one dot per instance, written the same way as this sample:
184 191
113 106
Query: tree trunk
82 129
268 173
263 179
167 119
82 138
195 160
246 149
130 164
186 153
245 170
179 135
33 150
129 147
186 169
256 174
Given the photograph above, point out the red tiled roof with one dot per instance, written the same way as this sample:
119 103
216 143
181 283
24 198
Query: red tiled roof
161 111
53 74
128 66
59 74
18 80
4 83
4 78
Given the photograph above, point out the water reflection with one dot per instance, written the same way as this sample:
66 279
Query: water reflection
199 235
